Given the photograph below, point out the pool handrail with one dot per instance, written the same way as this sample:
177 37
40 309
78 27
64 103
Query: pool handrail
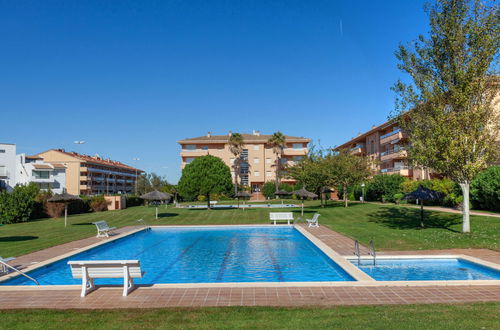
372 252
356 251
20 272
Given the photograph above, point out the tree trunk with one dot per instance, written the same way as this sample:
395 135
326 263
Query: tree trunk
345 195
208 201
465 207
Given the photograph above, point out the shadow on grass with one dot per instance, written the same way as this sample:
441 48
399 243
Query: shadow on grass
167 215
83 224
17 238
406 218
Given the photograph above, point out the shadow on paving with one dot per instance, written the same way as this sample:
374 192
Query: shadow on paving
402 218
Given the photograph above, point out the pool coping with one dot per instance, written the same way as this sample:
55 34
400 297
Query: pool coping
361 279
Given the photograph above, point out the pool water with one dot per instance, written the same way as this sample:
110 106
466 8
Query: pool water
426 270
206 255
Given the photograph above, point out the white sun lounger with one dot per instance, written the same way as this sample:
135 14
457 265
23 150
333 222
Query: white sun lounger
103 229
314 221
92 269
3 268
281 216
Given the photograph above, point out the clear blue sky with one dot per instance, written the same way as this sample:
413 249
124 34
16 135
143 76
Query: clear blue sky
133 77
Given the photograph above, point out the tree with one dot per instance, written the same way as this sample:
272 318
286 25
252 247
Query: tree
277 142
147 182
204 176
383 187
447 110
18 205
347 170
485 189
236 147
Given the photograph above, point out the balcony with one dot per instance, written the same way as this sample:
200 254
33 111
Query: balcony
194 153
294 152
42 180
91 170
358 150
393 154
401 170
391 136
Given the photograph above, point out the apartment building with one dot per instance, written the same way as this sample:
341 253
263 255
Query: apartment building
45 175
91 175
258 158
384 145
7 166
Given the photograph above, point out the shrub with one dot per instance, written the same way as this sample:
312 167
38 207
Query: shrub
397 197
201 198
485 189
99 203
18 205
133 201
383 187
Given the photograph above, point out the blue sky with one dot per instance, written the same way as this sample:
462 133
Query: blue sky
133 77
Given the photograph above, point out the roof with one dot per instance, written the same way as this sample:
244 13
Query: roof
246 138
97 160
42 166
362 137
57 165
34 157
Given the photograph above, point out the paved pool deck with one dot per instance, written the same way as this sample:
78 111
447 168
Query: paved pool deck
266 295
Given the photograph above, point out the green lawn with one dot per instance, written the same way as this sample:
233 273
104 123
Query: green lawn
467 316
391 227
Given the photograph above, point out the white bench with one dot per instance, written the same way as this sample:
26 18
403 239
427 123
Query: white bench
103 229
281 216
213 203
92 269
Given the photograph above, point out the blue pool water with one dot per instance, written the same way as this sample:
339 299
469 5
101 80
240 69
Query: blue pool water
426 270
202 255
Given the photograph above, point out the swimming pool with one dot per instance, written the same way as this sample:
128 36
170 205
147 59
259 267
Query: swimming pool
207 255
426 269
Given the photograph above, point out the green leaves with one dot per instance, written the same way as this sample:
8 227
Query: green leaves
18 205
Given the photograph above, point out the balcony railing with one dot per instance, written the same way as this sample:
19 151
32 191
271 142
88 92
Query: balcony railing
390 133
388 152
394 169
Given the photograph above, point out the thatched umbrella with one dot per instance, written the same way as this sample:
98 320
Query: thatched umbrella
303 193
242 194
66 199
282 193
156 196
423 194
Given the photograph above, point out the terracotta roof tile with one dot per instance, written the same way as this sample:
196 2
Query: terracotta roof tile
246 138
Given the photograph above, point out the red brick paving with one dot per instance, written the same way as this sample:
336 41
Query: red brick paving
147 297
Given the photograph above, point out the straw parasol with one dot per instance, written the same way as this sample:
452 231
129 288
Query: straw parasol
156 196
282 193
242 194
423 194
303 193
66 199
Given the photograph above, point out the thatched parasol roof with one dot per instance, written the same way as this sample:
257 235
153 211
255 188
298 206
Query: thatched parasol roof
63 198
156 195
304 193
282 193
423 193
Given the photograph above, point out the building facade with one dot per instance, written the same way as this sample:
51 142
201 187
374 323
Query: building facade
384 145
7 166
92 175
258 159
45 175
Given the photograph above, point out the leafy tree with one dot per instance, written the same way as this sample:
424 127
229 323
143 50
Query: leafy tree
447 110
236 147
485 189
269 188
383 187
204 176
277 142
18 205
147 182
347 170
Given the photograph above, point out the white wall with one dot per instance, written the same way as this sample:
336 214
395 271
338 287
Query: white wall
7 166
56 180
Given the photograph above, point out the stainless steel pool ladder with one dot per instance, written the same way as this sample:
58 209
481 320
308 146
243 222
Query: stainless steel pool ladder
356 251
372 252
144 223
20 272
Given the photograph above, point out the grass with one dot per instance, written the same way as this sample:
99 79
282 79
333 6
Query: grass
438 316
391 227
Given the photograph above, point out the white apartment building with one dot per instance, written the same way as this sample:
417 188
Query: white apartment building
7 166
45 175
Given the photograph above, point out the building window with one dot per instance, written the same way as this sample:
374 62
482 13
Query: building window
268 160
2 151
189 147
256 160
255 147
372 147
41 174
189 160
204 148
268 173
283 161
298 146
256 173
297 158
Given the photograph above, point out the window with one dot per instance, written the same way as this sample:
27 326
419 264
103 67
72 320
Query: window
204 148
41 174
256 160
268 160
256 173
255 147
372 147
298 146
189 147
283 160
189 160
2 151
297 158
268 173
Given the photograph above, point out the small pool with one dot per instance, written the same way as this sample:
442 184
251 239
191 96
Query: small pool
207 255
235 206
426 269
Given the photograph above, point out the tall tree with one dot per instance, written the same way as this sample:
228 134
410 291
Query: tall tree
347 170
236 147
204 176
447 110
277 142
147 182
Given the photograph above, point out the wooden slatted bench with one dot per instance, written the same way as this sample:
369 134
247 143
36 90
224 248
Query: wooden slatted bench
88 270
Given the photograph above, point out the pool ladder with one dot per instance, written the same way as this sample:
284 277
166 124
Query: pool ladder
371 252
146 226
17 270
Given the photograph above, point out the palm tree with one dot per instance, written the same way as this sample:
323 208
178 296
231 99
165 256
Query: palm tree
236 147
278 142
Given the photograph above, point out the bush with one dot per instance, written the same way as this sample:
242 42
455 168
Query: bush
80 206
383 187
18 205
133 201
99 203
485 189
202 198
397 197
